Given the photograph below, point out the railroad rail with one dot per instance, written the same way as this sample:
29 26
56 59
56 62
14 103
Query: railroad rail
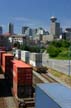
43 78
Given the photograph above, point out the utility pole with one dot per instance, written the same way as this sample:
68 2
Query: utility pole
69 60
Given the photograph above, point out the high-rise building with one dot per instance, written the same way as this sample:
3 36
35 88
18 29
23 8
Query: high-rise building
29 32
67 34
40 31
34 32
11 28
1 30
55 27
24 28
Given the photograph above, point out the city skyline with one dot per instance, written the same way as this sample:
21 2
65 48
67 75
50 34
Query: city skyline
34 13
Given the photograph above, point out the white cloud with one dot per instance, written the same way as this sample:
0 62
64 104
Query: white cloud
21 19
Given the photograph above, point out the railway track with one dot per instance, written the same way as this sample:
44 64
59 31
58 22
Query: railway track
44 75
47 77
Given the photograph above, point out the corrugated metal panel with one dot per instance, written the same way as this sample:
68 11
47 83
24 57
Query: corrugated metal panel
53 95
36 57
36 63
18 54
21 64
22 77
7 67
1 53
8 54
25 56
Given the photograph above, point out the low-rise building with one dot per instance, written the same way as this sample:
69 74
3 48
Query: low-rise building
17 38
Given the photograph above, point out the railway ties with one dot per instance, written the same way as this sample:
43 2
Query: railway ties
42 78
50 79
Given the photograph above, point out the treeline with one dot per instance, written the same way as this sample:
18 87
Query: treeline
59 48
34 48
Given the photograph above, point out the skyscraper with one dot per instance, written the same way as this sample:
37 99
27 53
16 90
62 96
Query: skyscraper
24 28
55 27
29 32
11 28
1 30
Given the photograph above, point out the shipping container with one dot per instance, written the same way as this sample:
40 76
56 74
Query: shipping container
6 59
6 67
1 52
14 51
22 77
36 59
52 96
18 54
25 56
36 56
24 91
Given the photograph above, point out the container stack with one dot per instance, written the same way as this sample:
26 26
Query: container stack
36 59
14 51
18 54
1 53
6 66
22 79
25 55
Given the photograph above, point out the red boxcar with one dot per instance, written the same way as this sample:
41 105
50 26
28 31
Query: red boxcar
6 66
22 79
1 53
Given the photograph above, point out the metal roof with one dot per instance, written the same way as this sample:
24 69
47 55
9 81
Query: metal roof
59 93
21 64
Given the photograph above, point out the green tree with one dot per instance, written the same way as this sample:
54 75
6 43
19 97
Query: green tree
17 44
60 43
53 51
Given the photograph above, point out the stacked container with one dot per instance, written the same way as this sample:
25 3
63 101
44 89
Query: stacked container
18 54
14 51
36 59
22 79
1 52
52 96
25 55
6 66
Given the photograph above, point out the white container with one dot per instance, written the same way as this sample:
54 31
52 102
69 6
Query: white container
18 54
36 56
25 55
36 59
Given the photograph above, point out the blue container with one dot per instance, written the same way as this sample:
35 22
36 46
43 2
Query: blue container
52 96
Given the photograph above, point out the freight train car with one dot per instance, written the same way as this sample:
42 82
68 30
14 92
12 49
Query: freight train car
1 53
52 96
6 66
25 56
22 79
18 54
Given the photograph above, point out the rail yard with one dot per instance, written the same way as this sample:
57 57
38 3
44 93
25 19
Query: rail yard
17 87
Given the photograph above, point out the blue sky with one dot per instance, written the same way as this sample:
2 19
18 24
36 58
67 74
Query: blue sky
34 13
